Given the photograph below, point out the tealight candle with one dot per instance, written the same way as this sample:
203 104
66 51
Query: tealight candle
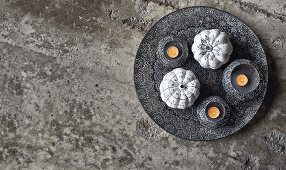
172 52
213 112
241 80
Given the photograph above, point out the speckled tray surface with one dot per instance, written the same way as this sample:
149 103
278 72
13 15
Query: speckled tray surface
149 72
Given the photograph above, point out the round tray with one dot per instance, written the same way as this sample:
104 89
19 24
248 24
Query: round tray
149 72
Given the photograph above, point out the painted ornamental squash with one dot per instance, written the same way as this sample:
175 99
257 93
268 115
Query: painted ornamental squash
179 88
212 48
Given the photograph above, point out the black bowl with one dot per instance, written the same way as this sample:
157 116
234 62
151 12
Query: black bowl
247 68
167 42
215 101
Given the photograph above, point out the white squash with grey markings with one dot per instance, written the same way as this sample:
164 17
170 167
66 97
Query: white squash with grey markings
212 48
179 88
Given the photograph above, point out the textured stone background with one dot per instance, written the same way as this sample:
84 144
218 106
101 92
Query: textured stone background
67 99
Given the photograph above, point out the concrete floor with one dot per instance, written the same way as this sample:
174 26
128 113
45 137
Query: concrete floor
67 98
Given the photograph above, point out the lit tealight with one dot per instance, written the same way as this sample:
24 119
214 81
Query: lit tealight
172 52
213 112
241 80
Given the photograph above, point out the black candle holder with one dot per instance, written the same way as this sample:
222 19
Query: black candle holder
247 68
167 42
206 104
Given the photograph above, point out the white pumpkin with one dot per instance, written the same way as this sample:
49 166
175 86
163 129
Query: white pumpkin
179 88
212 48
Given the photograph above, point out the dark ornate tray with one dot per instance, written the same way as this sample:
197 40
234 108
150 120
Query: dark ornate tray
149 72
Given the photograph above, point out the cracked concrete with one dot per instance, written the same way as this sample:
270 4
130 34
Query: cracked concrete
67 99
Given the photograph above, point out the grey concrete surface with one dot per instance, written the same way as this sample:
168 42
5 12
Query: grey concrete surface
67 99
